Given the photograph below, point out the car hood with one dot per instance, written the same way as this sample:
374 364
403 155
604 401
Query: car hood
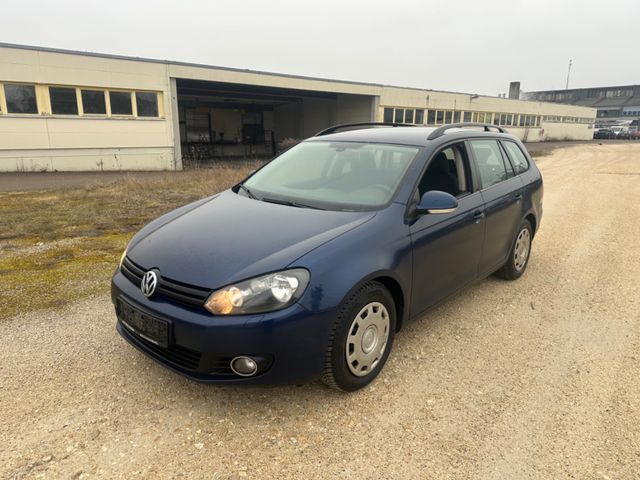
231 237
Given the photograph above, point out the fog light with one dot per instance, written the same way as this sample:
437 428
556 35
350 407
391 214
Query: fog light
244 366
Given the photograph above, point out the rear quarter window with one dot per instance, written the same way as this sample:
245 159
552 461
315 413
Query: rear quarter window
519 160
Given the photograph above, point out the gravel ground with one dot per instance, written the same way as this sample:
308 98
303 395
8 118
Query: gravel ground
538 378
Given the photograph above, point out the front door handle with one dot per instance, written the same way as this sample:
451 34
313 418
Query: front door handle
518 197
477 216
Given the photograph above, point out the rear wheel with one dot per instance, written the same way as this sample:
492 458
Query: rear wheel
519 255
361 338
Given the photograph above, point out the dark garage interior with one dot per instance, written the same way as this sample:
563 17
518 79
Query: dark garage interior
227 121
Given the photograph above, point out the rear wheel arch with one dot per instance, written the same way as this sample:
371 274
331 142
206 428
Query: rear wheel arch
532 221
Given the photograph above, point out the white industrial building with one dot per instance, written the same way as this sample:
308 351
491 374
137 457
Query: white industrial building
73 111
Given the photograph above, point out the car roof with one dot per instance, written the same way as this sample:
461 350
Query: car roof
405 135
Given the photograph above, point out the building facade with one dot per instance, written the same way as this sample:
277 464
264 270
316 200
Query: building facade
614 105
73 111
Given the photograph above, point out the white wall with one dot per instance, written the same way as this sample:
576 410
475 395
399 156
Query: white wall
57 142
319 113
434 100
54 142
355 109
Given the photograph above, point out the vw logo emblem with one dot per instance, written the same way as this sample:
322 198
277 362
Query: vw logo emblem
149 283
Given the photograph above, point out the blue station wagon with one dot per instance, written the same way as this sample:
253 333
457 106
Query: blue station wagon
310 266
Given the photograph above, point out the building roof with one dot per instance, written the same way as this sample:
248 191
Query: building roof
231 69
582 89
588 97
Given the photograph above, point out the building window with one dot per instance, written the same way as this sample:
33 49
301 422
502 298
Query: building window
481 117
388 115
408 116
456 117
467 116
448 115
399 117
147 103
419 117
93 102
431 117
64 101
439 117
120 103
20 98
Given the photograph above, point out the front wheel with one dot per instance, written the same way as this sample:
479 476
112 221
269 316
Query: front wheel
361 338
519 255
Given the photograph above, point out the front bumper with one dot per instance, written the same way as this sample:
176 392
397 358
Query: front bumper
291 342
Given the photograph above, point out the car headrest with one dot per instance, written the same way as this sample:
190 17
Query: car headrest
440 163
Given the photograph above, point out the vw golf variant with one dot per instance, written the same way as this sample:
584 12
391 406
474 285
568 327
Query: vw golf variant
310 266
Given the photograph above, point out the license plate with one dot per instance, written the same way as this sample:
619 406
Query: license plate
152 329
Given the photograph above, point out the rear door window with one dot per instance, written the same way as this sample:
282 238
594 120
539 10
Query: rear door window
518 158
490 162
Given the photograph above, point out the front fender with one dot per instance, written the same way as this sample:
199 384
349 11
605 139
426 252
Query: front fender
378 248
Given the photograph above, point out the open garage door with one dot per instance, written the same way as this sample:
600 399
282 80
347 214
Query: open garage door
225 121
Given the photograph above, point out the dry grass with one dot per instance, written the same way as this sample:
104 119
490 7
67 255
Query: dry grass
57 246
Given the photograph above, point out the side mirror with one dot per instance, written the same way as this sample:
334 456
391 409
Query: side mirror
436 201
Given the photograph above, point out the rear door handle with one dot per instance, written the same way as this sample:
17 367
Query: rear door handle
477 216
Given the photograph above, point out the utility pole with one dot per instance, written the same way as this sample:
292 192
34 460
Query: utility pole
568 74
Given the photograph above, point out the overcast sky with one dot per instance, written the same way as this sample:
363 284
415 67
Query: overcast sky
474 46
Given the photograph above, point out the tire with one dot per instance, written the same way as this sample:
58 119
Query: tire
360 323
518 258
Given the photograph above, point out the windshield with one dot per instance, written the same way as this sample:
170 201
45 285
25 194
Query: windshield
333 175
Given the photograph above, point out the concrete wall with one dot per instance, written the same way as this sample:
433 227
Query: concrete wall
288 121
319 113
354 109
56 142
429 99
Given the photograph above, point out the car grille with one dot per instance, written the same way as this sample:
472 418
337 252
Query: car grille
186 358
181 292
175 354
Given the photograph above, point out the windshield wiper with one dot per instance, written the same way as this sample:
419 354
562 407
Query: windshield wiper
248 192
290 203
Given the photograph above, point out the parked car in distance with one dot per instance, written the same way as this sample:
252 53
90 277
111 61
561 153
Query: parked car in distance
310 266
635 135
604 134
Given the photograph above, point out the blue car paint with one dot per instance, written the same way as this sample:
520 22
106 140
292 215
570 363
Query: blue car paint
227 238
230 238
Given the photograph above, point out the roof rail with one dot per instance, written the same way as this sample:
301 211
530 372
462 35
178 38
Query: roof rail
438 132
335 128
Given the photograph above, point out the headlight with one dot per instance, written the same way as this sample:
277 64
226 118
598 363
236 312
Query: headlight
261 294
124 254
